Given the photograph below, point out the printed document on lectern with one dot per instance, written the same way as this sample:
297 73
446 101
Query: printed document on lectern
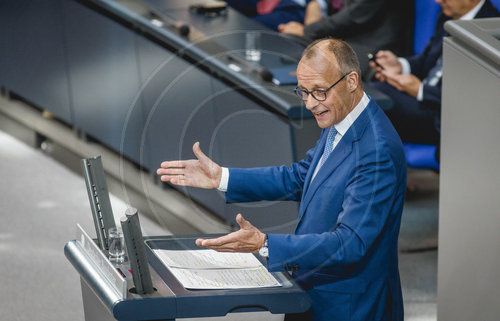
209 269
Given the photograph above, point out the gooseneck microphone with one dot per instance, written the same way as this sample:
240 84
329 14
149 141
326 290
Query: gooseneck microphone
161 20
250 67
265 74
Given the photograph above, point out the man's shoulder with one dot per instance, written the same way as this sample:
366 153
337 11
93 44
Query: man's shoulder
378 133
374 117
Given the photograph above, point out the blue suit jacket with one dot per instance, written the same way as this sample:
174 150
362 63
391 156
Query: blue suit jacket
344 250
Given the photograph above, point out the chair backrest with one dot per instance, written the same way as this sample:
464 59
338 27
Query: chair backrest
426 12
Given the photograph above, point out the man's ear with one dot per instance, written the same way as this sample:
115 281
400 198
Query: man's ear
353 81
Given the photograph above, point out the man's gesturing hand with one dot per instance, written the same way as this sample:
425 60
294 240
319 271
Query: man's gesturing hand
247 239
201 172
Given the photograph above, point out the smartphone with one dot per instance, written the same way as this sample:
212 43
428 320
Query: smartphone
371 57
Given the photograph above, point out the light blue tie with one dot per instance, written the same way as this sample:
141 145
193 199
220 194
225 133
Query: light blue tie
328 146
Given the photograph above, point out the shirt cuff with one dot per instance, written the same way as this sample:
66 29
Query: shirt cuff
405 66
224 180
420 95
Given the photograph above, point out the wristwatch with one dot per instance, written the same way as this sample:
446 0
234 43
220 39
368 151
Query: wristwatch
264 250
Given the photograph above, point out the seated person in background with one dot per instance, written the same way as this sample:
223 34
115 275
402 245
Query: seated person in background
414 83
271 13
367 25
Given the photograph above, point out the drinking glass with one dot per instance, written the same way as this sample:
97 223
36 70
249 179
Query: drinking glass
252 46
116 245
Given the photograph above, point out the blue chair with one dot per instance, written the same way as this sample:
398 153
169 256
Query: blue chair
426 12
421 156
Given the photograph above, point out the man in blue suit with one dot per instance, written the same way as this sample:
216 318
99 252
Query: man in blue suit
351 189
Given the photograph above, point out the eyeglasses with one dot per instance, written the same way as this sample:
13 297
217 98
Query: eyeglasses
318 94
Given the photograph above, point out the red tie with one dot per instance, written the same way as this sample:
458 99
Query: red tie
267 6
337 4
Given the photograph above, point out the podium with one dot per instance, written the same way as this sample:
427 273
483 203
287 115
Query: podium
104 300
471 69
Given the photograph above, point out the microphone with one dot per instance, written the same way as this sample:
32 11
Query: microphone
250 67
160 20
184 30
265 74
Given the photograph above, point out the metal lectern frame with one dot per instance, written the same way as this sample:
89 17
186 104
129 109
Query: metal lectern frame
170 300
109 292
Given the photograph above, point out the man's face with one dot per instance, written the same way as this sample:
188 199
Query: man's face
320 72
455 9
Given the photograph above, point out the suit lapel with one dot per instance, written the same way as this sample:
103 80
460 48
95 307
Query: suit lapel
317 155
338 155
341 151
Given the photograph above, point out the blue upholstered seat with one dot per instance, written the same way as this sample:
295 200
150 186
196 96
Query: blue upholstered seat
421 156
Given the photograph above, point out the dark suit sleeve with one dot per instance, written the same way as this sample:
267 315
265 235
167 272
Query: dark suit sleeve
355 15
369 200
432 96
417 64
420 64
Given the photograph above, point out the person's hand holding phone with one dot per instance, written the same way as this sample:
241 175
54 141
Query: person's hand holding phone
373 61
385 62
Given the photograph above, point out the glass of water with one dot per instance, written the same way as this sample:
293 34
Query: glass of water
252 46
116 245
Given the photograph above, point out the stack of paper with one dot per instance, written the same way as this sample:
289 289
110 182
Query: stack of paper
208 269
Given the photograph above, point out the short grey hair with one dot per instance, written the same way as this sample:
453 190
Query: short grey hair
342 51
